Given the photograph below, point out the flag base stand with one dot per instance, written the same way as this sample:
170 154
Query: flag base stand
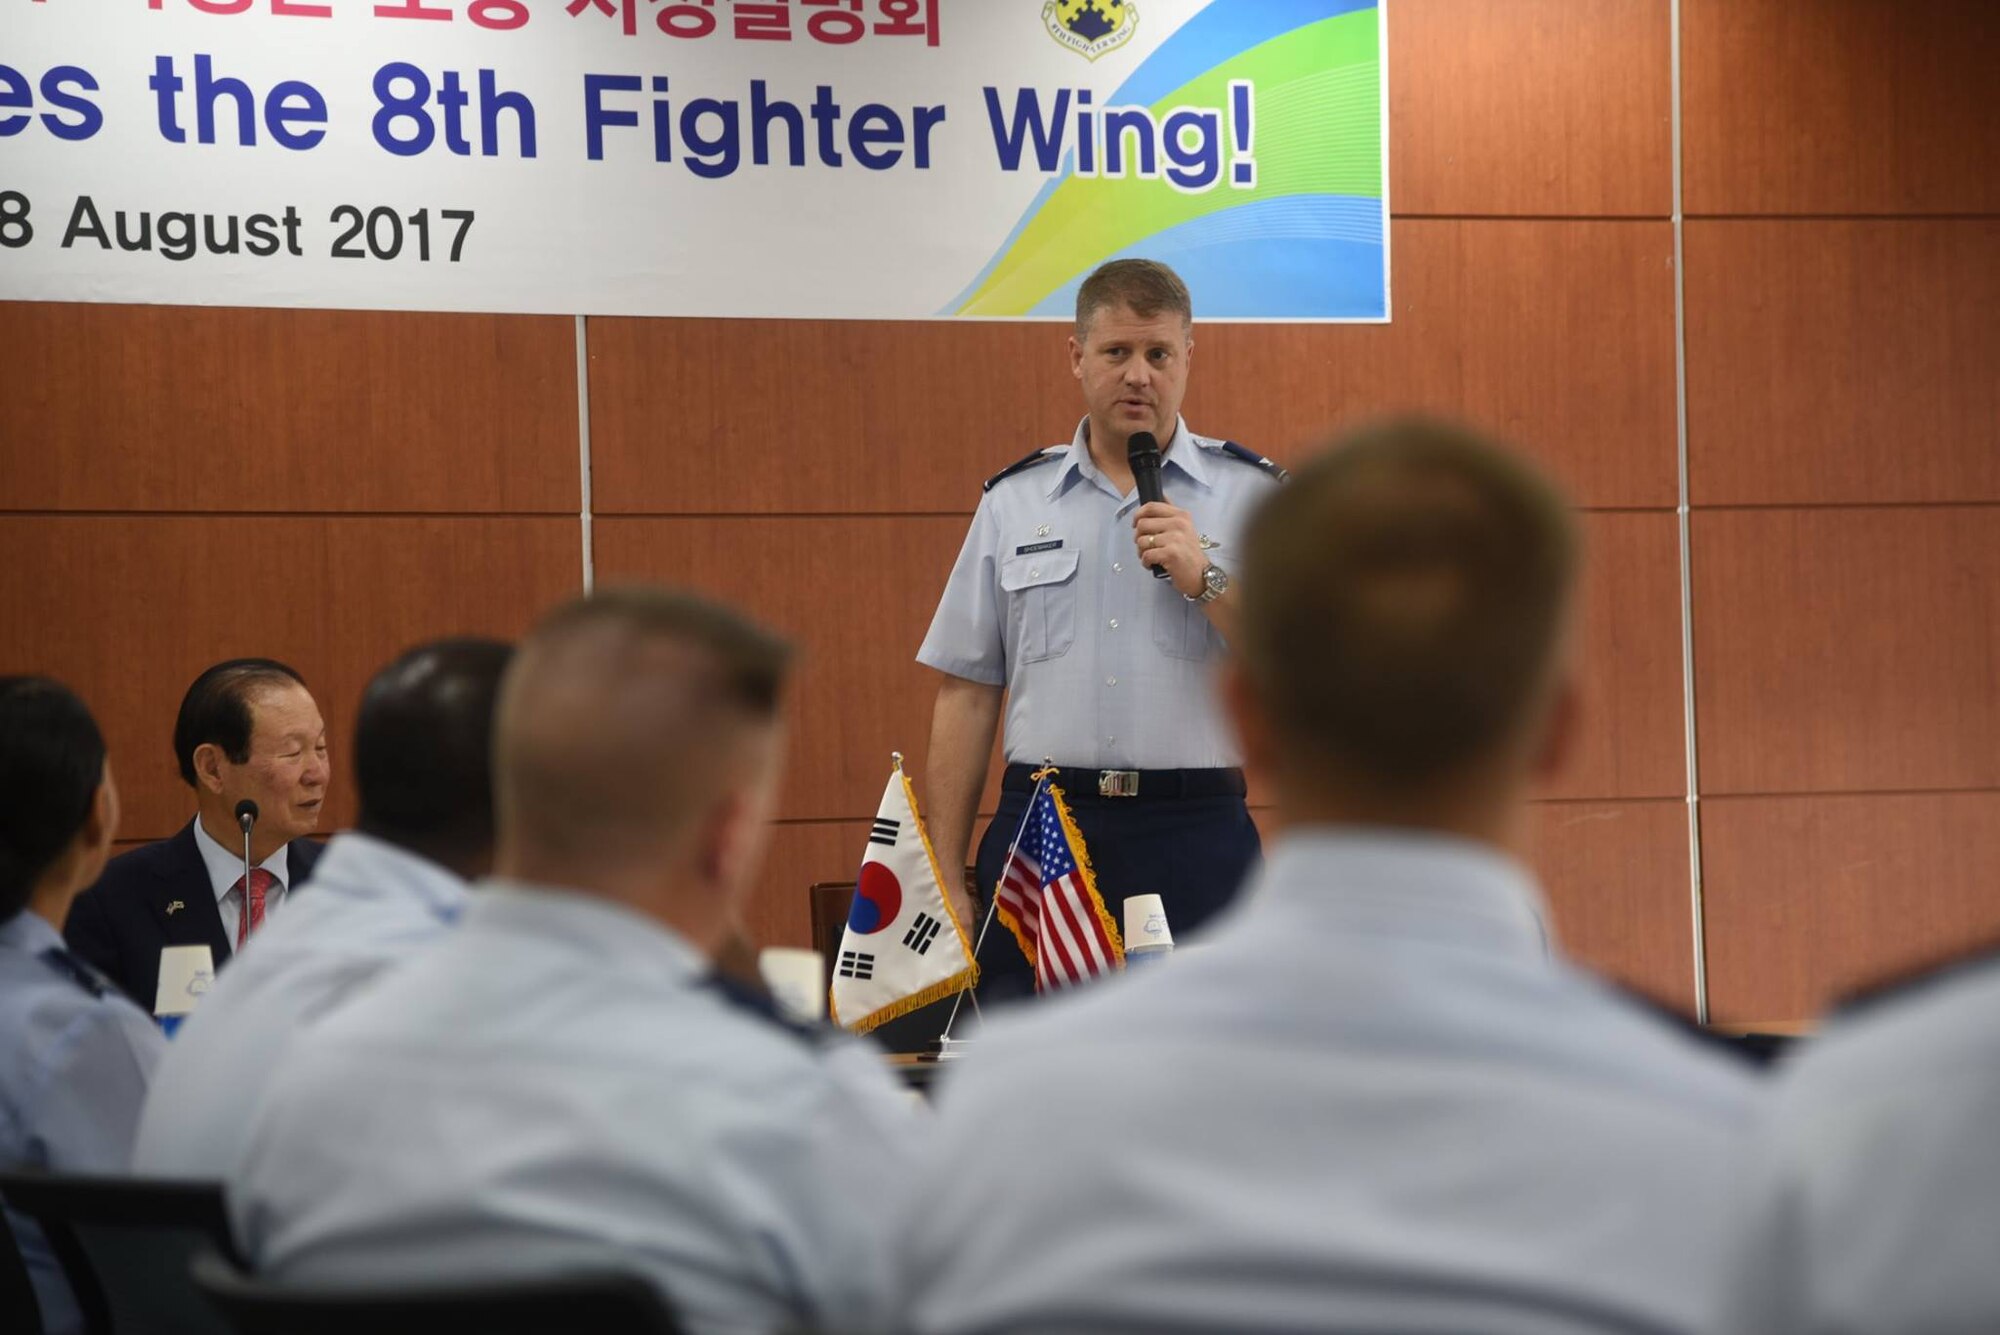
951 1049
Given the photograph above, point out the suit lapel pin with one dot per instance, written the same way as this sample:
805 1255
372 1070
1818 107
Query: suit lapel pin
1041 530
175 907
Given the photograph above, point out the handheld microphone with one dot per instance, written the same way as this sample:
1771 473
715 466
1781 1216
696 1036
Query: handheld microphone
246 816
1142 452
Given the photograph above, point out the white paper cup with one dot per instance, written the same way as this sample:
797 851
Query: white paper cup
797 979
1146 929
186 974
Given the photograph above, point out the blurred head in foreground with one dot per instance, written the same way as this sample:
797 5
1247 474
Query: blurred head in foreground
423 752
1404 652
58 805
640 737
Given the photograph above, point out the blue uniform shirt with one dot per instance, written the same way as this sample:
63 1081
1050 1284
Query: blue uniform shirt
1105 666
370 905
1372 1099
75 1056
556 1084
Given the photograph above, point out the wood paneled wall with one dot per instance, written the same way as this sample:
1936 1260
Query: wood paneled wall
184 484
1842 185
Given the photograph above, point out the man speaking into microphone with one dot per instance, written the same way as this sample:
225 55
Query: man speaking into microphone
1095 616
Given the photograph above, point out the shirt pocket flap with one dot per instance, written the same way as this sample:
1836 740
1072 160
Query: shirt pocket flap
1037 569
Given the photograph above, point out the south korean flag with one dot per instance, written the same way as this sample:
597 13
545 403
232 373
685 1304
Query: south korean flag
903 947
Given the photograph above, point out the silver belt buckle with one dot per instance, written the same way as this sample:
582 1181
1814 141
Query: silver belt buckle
1118 783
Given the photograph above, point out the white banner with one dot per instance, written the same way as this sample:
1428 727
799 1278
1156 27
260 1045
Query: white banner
889 159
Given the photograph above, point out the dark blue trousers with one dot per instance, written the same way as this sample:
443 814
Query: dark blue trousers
1195 853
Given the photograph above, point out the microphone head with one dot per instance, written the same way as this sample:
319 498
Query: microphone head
246 813
1142 443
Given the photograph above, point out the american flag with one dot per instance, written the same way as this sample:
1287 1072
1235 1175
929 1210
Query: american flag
1050 902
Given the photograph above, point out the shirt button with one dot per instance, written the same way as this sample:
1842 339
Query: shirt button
1114 623
1118 567
1111 681
1033 573
1113 739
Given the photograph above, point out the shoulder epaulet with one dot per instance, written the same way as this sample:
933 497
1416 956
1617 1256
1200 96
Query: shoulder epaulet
78 971
1022 466
1931 974
1753 1050
748 1000
1256 460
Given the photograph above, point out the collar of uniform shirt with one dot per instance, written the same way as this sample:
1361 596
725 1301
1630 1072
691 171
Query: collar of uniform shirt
1179 452
28 932
225 868
1409 884
361 867
617 939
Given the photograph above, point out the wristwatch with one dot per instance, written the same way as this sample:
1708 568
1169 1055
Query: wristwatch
1214 583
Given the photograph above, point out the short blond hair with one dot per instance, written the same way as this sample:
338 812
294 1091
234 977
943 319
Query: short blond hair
1145 287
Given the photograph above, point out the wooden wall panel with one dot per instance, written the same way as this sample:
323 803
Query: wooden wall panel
129 609
1845 650
1840 106
803 417
1559 335
1843 361
800 853
1632 739
209 409
1616 877
856 593
1537 107
1808 898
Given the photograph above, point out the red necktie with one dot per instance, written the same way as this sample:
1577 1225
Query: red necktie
251 914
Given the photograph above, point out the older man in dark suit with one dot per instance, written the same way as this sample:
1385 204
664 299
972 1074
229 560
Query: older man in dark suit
248 728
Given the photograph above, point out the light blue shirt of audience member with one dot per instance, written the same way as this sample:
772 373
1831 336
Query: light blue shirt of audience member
370 905
1372 1100
560 1083
1871 1195
75 1057
1105 666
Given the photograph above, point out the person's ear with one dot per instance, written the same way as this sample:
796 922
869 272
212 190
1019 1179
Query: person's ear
724 842
1561 727
92 846
1075 357
100 826
208 758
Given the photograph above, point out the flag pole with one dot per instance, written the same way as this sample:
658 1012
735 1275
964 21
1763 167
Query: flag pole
993 904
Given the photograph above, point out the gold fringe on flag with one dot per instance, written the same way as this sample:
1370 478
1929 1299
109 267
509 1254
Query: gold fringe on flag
965 978
1089 875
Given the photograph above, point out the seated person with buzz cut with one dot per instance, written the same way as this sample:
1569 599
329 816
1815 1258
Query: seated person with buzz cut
1377 1098
565 1080
75 1054
248 730
393 886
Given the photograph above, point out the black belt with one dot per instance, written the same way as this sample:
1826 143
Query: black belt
1091 785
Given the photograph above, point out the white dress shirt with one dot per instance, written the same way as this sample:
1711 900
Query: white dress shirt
369 905
225 869
1871 1199
1371 1101
561 1083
